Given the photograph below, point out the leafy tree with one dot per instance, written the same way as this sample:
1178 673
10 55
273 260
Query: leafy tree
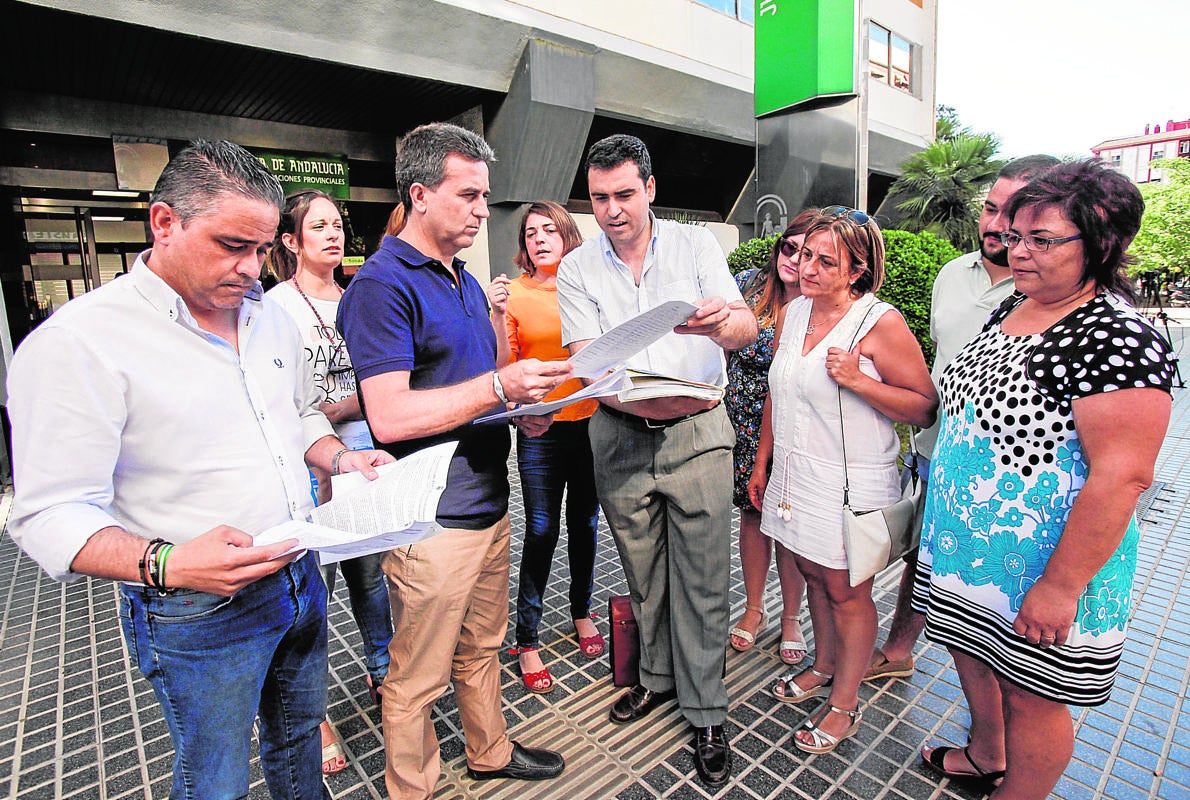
940 187
947 127
1164 239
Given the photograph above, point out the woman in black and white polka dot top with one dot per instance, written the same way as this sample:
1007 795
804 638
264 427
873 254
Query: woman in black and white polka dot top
1052 419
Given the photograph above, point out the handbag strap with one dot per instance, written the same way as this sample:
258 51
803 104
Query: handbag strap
910 464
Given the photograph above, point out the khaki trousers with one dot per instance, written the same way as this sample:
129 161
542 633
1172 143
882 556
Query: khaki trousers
449 598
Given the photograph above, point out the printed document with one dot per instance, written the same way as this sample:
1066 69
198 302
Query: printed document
395 510
629 338
612 383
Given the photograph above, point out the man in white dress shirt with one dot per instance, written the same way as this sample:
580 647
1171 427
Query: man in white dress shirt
663 475
158 423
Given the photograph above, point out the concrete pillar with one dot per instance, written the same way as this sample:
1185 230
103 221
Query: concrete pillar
808 157
539 134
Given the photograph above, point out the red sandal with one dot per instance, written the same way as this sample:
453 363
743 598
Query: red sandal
591 646
539 682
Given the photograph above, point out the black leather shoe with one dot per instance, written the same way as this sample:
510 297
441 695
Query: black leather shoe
636 702
527 764
712 755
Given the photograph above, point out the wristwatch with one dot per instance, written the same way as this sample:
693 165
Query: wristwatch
498 387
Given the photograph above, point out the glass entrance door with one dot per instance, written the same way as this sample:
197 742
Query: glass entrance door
71 248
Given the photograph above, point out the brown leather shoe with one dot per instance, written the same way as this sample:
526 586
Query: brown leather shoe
882 667
636 703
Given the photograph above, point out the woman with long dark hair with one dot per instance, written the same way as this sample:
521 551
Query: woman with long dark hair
766 291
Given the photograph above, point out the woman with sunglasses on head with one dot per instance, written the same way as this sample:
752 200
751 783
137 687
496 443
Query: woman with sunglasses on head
1029 540
527 323
844 360
767 291
308 248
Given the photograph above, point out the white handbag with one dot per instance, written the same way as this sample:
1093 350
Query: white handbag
874 539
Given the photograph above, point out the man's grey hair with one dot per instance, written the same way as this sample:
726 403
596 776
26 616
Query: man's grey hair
195 179
422 154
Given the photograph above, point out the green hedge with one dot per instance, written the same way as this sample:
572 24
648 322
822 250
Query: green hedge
912 263
752 253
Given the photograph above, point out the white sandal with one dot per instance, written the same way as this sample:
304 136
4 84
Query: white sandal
786 681
823 741
791 652
746 636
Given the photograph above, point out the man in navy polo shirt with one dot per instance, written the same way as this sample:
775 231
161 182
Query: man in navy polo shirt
417 327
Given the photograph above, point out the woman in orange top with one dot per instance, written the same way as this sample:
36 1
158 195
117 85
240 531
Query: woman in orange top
525 316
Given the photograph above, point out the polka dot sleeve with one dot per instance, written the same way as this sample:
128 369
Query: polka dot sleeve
1102 346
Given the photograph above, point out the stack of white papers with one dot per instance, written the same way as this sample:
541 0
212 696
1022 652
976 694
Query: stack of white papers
395 510
610 351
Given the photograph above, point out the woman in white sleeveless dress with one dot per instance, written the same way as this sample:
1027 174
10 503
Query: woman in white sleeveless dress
837 346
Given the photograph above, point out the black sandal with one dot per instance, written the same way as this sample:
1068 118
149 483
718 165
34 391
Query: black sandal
982 778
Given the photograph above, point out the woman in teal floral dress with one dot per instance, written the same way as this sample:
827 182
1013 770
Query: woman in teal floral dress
1052 420
766 291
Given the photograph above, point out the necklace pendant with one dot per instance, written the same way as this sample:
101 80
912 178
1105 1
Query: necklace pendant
810 329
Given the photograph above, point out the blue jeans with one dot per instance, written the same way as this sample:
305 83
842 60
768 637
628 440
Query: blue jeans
216 663
369 605
549 464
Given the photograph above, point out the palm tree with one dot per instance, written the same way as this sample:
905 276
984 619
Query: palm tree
947 125
940 187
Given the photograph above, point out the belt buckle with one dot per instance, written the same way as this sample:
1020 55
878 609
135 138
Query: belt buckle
656 425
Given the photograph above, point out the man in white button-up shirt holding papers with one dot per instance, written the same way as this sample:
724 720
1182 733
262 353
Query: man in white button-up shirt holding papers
663 465
158 422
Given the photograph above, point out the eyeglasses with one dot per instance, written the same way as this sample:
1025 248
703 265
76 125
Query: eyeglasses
1037 244
788 248
858 217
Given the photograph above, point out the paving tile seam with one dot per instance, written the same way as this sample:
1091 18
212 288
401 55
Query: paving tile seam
25 682
1174 493
1152 534
7 543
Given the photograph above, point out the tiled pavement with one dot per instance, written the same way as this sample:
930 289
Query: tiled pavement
76 721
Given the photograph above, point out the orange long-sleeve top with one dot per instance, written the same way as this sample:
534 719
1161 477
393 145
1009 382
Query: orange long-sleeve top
535 331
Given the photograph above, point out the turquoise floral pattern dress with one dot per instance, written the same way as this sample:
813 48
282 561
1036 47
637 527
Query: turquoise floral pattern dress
747 387
1006 472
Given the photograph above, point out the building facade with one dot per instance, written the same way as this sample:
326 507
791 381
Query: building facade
101 92
844 94
83 133
1133 155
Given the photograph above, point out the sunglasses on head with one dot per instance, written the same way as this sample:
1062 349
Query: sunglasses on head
858 217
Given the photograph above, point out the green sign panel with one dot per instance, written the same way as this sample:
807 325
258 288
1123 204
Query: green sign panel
309 171
804 49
